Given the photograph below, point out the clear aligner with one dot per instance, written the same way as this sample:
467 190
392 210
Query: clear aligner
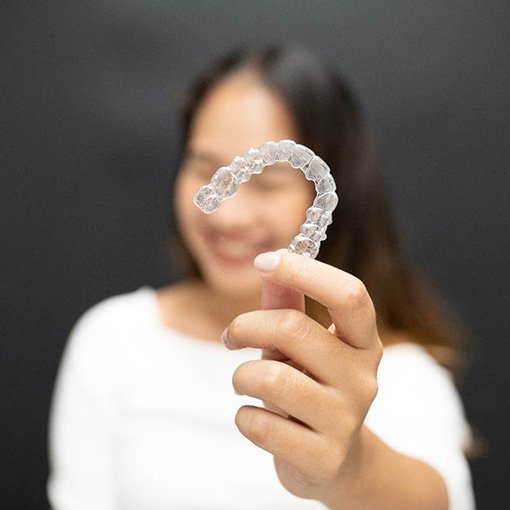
226 182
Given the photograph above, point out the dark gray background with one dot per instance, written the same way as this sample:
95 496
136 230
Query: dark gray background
88 95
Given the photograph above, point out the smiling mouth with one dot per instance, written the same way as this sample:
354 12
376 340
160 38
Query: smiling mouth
233 251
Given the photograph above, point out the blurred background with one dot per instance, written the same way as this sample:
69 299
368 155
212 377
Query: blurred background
89 93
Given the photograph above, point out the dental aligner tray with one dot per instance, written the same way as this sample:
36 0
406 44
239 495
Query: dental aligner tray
226 181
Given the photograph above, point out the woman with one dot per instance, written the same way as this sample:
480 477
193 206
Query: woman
144 414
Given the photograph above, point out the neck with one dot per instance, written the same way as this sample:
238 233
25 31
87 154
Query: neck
223 307
194 308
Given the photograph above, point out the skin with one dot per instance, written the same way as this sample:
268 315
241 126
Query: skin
316 384
314 412
237 114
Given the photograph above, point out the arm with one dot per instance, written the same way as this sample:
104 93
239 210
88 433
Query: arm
81 420
383 479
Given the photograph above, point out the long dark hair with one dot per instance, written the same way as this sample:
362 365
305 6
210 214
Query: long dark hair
362 239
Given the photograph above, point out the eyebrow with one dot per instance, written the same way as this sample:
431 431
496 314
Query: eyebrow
205 156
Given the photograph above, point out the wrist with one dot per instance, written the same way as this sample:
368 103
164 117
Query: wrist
372 477
347 490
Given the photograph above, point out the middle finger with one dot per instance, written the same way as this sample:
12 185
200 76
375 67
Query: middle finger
290 390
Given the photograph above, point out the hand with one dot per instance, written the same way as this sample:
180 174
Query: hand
316 384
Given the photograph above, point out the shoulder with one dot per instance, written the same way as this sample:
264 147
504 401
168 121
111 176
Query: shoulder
414 389
119 314
411 360
105 329
118 310
419 412
409 371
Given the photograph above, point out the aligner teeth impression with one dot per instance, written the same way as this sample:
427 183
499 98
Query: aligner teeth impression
226 182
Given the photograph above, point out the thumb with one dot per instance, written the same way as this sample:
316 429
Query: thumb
274 297
277 297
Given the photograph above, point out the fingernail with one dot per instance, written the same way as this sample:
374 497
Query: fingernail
224 337
267 261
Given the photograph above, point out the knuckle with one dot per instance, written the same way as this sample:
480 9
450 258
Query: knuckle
293 324
368 389
379 350
255 425
372 388
355 293
273 380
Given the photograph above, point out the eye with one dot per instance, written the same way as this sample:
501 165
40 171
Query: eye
268 186
226 183
198 169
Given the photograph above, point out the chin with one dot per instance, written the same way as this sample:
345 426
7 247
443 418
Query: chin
229 275
237 286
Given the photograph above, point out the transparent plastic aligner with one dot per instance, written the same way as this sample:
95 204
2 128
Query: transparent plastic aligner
226 182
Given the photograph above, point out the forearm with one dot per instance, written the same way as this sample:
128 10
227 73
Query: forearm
380 478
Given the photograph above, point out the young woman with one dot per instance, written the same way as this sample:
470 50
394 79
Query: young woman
145 413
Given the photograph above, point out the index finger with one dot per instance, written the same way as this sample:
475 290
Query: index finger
345 296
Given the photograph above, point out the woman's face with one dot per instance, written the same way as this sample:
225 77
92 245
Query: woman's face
266 212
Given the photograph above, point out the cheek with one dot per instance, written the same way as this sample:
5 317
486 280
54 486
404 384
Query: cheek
288 212
185 211
183 189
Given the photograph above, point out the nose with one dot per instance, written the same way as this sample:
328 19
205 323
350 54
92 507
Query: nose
237 212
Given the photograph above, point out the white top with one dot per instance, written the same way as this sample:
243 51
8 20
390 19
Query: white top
143 418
